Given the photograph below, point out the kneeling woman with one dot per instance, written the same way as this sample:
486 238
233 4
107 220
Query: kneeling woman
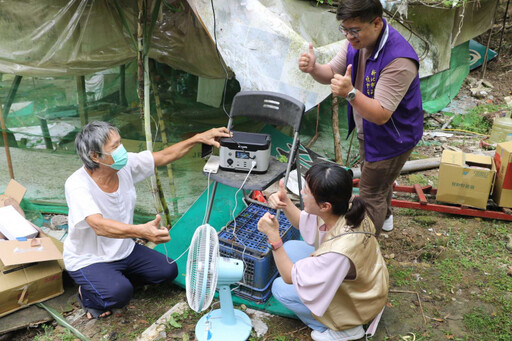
336 279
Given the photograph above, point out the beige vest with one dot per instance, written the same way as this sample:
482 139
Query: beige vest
359 299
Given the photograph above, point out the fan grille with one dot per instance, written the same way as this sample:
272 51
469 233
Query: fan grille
201 279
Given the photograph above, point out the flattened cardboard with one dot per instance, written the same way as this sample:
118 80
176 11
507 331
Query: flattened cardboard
502 193
14 252
15 190
465 179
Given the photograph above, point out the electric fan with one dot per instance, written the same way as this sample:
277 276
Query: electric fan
206 270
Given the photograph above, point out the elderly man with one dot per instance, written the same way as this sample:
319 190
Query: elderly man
99 253
376 70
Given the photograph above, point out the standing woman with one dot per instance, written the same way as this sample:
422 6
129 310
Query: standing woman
335 280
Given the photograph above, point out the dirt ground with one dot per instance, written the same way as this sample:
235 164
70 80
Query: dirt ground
451 276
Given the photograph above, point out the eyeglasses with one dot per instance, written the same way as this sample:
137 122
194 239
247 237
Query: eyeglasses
354 32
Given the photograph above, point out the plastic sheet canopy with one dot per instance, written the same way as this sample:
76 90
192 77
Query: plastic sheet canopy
79 37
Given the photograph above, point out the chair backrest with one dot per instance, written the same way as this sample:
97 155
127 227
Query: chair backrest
269 107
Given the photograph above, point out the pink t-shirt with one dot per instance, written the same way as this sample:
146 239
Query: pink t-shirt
316 279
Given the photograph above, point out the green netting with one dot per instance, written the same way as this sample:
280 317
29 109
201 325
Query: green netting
438 90
32 212
44 118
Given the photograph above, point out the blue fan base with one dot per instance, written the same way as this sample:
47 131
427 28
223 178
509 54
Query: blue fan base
219 331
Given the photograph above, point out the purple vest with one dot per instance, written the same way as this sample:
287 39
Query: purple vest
405 127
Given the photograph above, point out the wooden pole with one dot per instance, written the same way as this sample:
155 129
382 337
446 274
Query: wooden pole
122 86
503 28
484 65
46 133
10 99
82 111
6 143
10 96
336 130
315 137
350 147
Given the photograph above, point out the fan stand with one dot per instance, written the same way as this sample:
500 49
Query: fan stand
226 323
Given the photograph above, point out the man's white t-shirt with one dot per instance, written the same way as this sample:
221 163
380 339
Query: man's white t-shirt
83 246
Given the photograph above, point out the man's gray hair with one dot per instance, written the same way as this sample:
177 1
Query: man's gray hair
92 138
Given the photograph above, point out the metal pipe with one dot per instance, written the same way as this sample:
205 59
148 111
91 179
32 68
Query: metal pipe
410 166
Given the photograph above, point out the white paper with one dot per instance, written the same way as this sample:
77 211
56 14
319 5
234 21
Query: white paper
13 225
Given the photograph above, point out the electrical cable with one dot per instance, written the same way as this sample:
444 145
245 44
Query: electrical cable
204 222
220 60
464 131
223 68
155 201
253 164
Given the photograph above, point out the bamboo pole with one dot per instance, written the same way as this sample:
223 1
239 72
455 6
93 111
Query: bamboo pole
156 187
140 57
336 130
6 143
165 142
144 110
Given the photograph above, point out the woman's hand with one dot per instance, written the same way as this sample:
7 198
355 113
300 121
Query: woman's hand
278 199
213 136
269 226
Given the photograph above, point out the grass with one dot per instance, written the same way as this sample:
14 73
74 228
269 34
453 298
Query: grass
49 334
468 262
400 277
490 326
474 120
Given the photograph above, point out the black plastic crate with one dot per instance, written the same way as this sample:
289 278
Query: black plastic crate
259 266
253 294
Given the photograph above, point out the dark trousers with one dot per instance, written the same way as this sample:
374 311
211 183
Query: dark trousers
376 184
105 286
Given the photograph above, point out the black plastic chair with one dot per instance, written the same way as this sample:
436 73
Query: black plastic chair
270 108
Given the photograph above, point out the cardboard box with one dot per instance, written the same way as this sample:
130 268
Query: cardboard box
502 193
465 179
30 271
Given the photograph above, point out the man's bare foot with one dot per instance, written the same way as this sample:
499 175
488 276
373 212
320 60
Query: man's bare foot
90 312
104 314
